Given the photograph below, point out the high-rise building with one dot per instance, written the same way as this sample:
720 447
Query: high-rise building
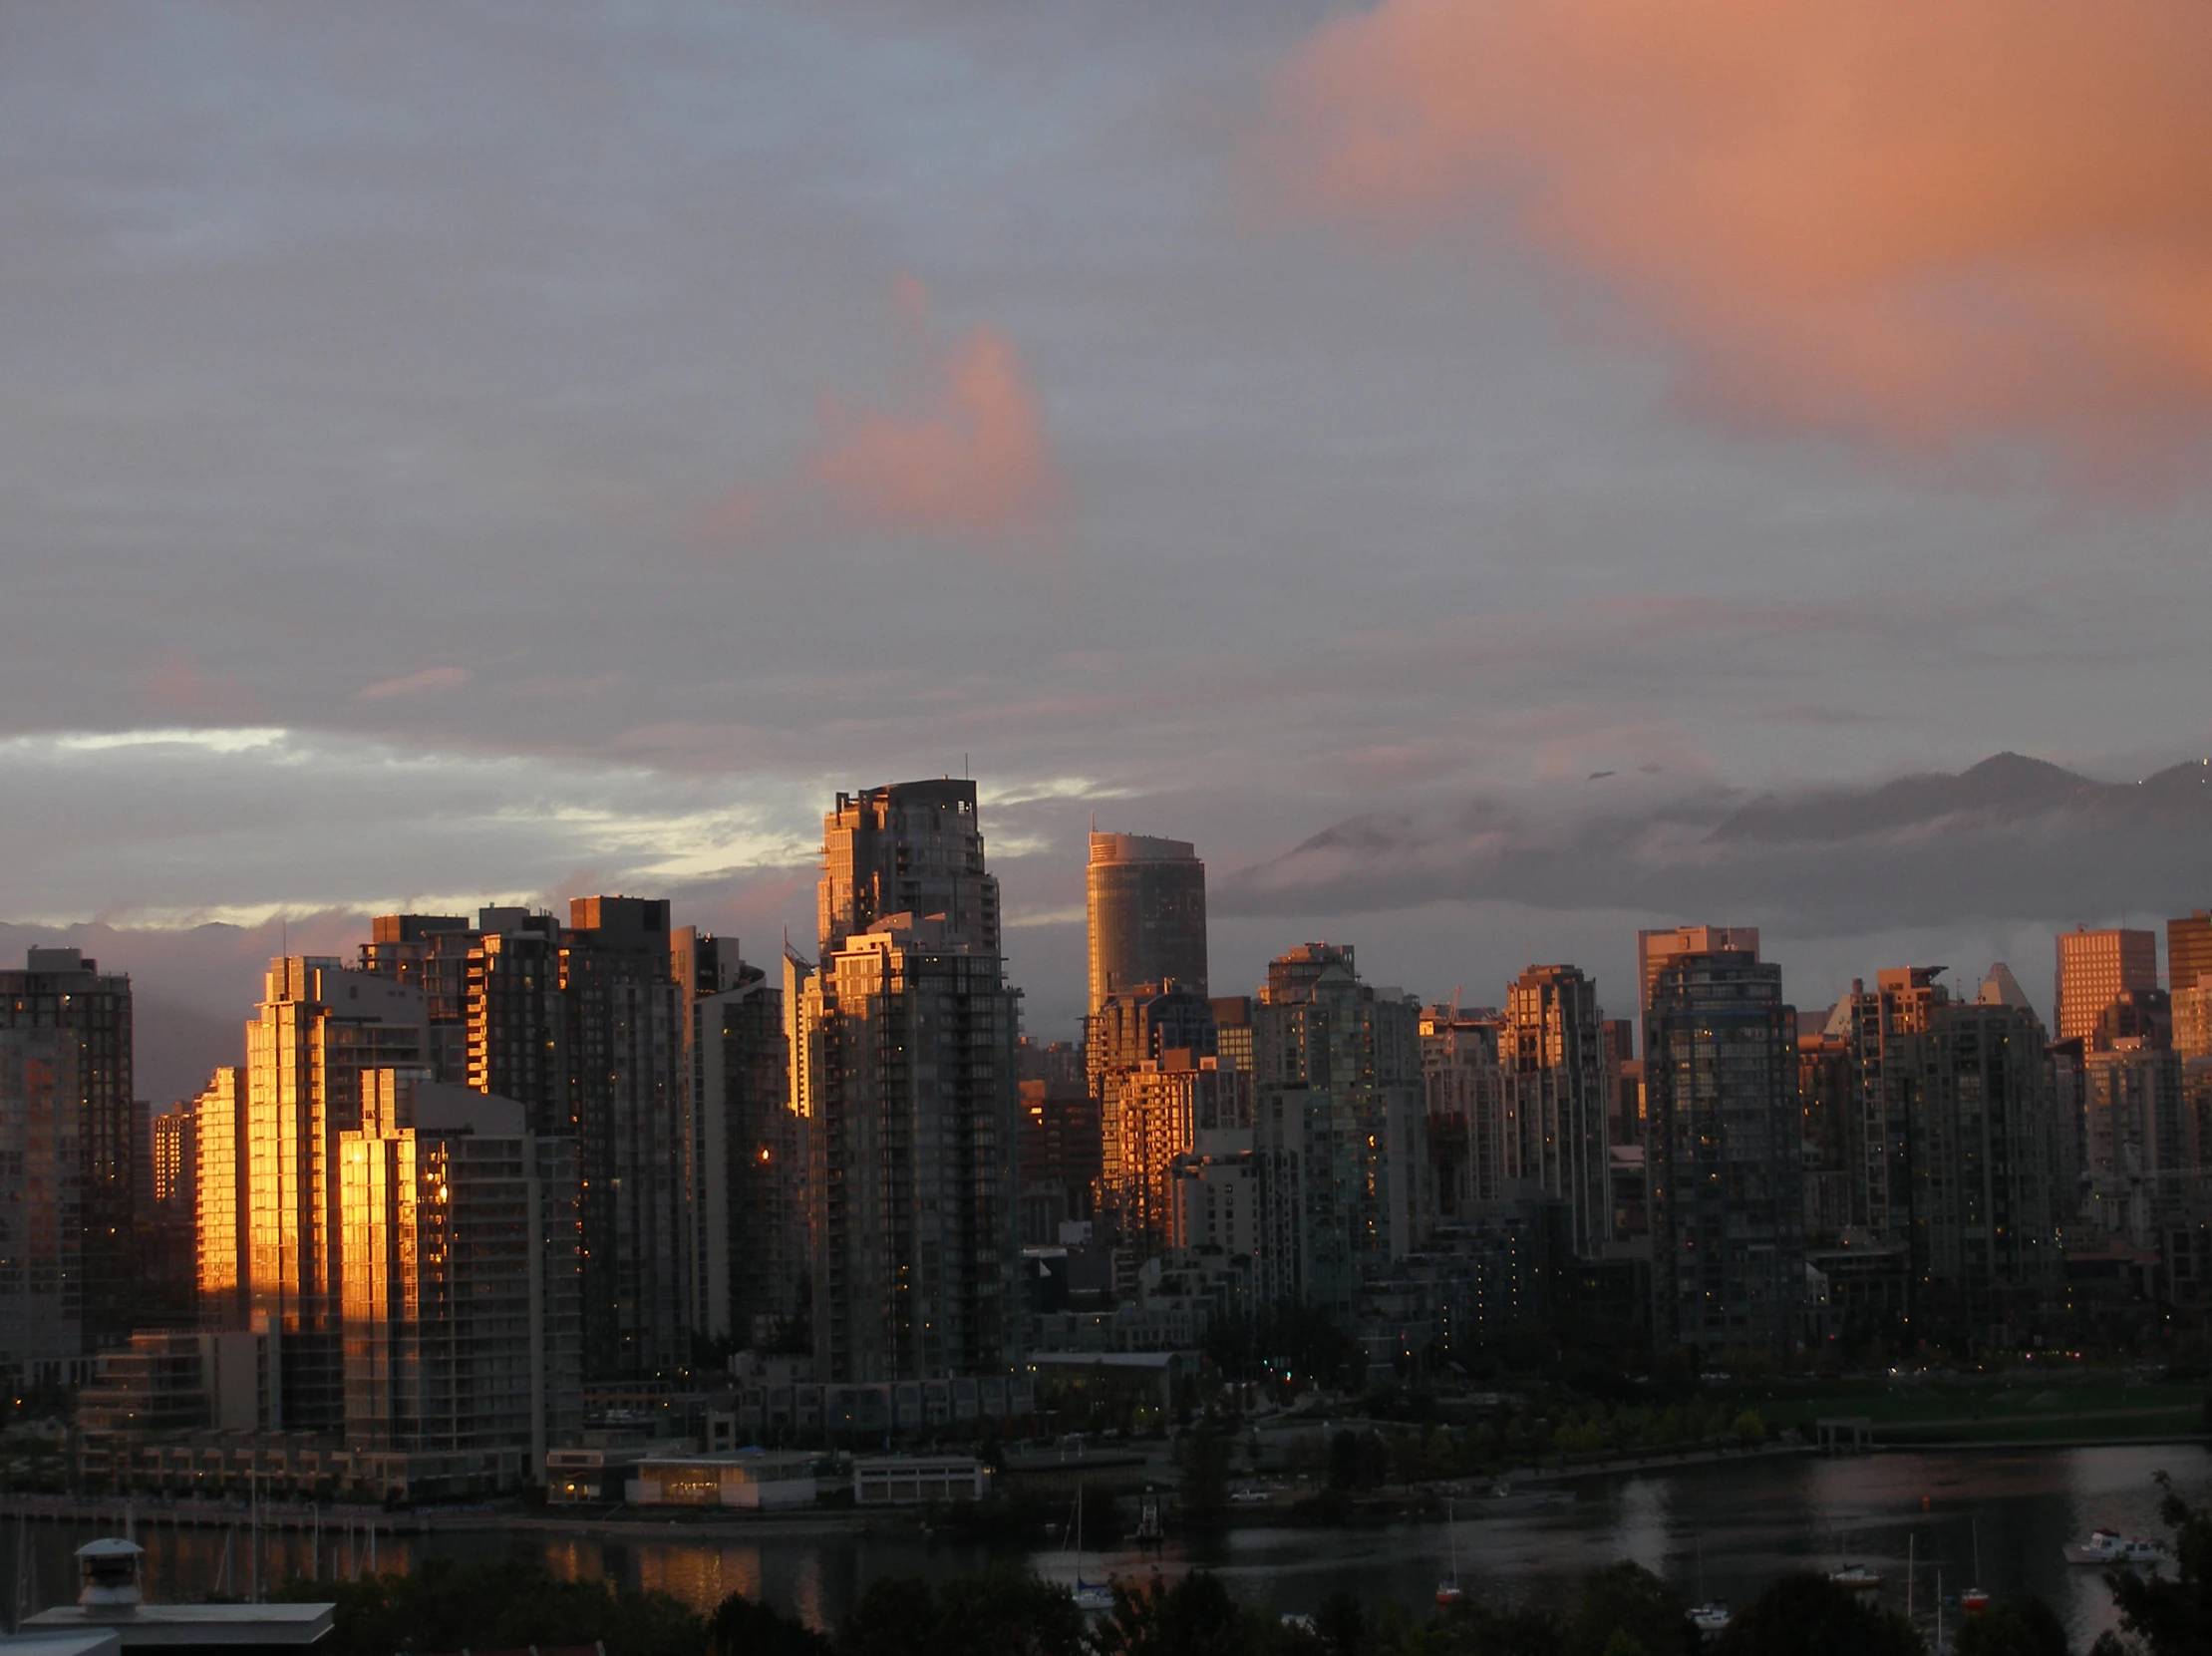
64 1071
462 1302
1558 1098
2136 1166
222 1253
1655 948
904 1042
170 1225
2094 969
1828 1120
2188 950
749 1151
587 1027
1624 1081
628 1026
1153 1114
515 1024
1061 1154
1339 1097
318 1029
912 848
1145 900
1465 1085
2191 1010
910 1034
1232 1031
1952 1146
429 952
1727 1207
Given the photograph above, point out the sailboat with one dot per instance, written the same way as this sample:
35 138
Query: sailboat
1974 1600
1447 1590
1710 1616
1091 1597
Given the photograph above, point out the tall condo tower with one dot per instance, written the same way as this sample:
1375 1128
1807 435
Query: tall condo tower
1725 1173
318 1029
903 1061
68 1164
1147 904
914 848
1551 1047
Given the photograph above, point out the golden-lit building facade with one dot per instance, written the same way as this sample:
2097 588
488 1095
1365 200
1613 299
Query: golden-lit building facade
1145 904
1152 1113
318 1028
2094 968
461 1279
224 1265
2188 949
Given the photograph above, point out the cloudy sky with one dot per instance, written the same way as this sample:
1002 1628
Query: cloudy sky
519 451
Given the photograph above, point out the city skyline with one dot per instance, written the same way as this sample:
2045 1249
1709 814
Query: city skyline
491 1167
199 973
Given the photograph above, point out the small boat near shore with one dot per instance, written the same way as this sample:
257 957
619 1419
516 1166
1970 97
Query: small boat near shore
1857 1578
1711 1617
1502 1499
2109 1547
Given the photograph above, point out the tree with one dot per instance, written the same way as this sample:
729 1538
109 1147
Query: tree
2023 1627
895 1616
1341 1621
1358 1459
1003 1611
499 1605
1804 1614
2172 1617
1195 1617
1628 1601
994 1611
1474 1628
743 1626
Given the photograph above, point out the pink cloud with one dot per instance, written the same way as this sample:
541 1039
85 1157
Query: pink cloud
969 459
1920 221
975 460
179 688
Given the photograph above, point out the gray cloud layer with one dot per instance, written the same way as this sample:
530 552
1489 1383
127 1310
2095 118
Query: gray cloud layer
2011 838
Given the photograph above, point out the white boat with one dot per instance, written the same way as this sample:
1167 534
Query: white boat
1501 1498
1857 1578
2109 1547
1710 1616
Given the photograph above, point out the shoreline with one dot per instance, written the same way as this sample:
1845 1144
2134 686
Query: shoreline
733 1524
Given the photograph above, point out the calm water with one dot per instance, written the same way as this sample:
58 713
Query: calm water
1720 1531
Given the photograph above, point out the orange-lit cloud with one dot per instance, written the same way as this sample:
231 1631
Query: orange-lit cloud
975 460
969 457
1920 220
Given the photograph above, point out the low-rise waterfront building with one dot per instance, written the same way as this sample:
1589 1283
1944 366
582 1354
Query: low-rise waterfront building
917 1480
